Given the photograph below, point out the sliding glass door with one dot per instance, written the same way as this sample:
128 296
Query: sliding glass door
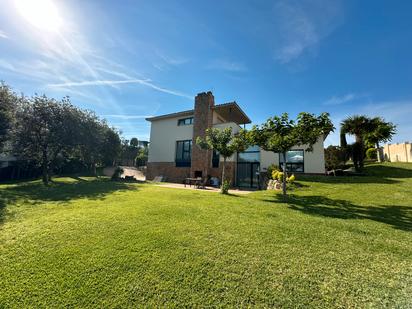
248 168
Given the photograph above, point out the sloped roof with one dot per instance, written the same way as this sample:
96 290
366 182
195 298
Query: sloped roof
172 115
230 111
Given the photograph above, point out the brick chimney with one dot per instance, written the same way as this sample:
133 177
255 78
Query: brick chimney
203 119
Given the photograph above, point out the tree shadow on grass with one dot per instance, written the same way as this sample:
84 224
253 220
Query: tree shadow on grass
58 191
383 174
399 217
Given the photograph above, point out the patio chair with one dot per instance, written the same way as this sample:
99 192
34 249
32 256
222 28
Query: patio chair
202 184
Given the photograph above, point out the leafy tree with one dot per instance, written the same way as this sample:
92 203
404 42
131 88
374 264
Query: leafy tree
111 146
134 142
142 156
359 126
129 151
41 133
52 133
226 143
334 157
280 134
381 132
8 104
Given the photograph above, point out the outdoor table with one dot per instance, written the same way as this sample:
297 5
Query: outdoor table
194 181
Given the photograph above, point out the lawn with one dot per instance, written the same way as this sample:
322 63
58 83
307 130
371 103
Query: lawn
337 242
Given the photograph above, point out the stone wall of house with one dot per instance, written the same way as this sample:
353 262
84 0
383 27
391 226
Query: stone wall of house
203 119
168 170
400 152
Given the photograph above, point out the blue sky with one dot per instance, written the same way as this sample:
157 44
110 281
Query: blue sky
127 60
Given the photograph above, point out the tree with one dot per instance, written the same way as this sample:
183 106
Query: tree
48 132
334 157
280 134
134 142
129 151
111 146
381 132
226 143
142 156
359 126
8 104
41 134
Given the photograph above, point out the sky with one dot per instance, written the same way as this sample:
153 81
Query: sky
128 60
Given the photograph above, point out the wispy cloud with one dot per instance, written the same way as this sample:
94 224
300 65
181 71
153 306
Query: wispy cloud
3 35
171 60
338 100
145 82
302 25
164 62
7 65
226 65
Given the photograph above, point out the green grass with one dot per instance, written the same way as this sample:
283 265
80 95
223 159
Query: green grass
338 242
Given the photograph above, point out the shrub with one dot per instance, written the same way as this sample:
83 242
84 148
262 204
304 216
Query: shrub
334 157
372 154
277 175
224 189
117 173
272 168
291 179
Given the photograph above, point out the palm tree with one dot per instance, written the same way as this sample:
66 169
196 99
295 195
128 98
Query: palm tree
382 132
359 126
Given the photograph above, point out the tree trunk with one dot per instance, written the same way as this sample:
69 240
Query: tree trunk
358 153
223 175
344 146
361 151
94 171
284 175
45 170
378 152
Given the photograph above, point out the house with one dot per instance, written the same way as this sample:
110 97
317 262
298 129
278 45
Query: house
6 160
174 155
399 152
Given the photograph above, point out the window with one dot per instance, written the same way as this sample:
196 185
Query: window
252 154
183 153
294 161
185 121
215 159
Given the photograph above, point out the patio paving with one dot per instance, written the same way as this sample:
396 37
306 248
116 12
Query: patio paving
209 189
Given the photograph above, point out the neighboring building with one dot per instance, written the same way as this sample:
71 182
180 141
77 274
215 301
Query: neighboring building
6 160
401 152
173 153
143 144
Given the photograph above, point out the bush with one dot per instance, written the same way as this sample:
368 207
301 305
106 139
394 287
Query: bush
291 179
277 175
224 189
272 168
117 173
372 154
334 158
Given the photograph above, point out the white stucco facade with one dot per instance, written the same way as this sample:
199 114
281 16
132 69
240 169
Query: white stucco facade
178 161
163 136
314 162
165 133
